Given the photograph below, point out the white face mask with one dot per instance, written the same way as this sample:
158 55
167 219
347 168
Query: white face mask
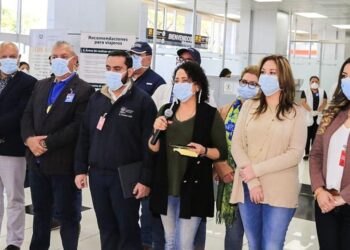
314 85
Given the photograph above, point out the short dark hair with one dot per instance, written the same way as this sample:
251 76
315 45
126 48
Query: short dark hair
196 73
224 72
23 63
122 53
314 77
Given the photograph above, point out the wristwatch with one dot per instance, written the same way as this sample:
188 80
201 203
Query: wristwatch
43 143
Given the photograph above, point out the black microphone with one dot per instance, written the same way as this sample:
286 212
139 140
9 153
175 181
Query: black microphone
168 113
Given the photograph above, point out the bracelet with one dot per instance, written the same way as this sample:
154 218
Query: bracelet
205 151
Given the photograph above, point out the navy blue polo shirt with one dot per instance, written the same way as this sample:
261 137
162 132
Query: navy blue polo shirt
149 81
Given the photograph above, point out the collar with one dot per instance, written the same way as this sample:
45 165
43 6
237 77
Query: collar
8 77
110 95
67 79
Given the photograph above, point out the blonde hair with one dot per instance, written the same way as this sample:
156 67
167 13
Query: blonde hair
251 69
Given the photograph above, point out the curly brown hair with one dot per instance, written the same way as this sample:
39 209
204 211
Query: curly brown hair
339 102
287 85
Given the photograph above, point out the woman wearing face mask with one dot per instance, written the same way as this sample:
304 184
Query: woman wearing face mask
267 145
330 168
314 100
226 212
182 191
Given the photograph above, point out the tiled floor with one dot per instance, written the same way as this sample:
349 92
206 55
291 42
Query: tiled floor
301 234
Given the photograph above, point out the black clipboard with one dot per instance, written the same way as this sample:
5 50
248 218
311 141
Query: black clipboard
129 175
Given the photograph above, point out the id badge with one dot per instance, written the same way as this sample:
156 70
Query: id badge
101 122
70 96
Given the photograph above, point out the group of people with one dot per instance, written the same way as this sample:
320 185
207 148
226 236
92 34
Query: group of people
138 140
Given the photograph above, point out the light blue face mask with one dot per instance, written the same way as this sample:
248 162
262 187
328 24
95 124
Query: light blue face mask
269 84
345 87
114 80
246 92
183 91
136 62
8 65
59 66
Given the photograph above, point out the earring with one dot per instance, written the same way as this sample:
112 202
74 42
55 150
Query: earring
199 96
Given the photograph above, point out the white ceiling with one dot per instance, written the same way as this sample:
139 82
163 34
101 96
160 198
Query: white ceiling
338 11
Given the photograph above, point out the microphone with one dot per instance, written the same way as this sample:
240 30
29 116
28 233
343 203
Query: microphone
168 113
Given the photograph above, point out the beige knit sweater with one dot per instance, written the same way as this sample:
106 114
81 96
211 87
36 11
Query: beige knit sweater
273 148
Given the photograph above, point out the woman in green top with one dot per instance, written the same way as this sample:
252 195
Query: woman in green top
226 212
182 190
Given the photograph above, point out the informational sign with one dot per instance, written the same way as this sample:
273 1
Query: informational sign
41 42
177 39
94 48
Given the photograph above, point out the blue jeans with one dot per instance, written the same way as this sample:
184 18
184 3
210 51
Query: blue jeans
58 194
179 233
117 217
234 233
265 226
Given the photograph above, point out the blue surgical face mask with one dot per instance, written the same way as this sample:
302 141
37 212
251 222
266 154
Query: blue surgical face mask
345 87
136 62
183 91
114 80
269 84
59 66
8 65
247 92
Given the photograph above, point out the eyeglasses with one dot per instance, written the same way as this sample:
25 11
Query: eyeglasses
251 85
180 60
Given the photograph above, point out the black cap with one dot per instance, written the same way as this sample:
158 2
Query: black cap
194 53
141 47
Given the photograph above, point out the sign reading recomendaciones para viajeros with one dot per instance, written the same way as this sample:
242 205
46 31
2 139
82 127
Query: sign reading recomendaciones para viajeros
94 48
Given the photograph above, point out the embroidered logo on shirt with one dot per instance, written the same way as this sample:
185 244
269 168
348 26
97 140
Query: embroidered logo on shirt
149 83
126 112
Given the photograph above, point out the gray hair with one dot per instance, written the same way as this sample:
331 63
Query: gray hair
65 44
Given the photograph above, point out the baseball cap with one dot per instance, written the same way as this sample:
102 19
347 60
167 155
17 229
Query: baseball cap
194 53
141 47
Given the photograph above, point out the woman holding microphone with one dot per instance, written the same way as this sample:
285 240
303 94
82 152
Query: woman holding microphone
191 138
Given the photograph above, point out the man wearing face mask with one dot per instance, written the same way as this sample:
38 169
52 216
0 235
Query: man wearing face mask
50 126
143 76
15 90
114 134
314 100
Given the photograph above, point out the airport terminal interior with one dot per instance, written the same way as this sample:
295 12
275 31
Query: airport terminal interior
314 35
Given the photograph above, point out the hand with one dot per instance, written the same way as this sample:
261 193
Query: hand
325 201
198 148
247 173
228 178
81 181
161 123
34 145
140 191
256 194
339 201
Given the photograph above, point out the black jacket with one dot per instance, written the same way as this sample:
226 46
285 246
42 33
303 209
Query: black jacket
13 100
61 124
196 192
123 138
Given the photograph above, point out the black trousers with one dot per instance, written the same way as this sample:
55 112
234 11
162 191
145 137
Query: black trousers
333 228
311 134
58 194
117 217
